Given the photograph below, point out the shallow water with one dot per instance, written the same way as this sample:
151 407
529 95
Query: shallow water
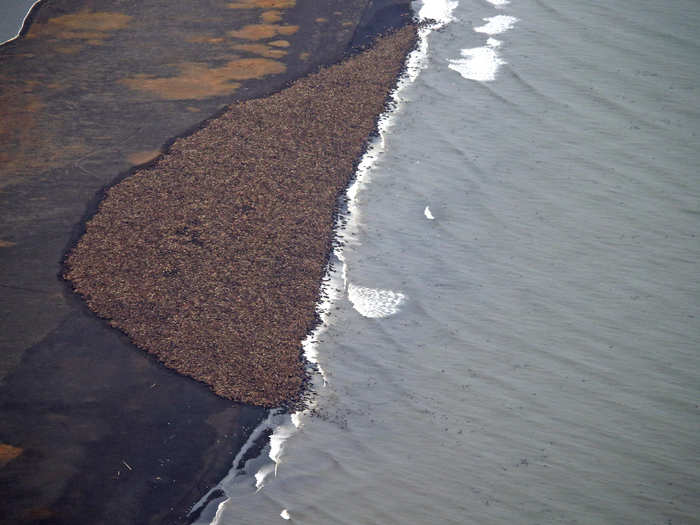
535 208
12 16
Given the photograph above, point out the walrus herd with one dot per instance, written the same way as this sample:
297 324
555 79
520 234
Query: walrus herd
211 258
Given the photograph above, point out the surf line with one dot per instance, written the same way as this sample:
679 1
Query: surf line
482 63
432 15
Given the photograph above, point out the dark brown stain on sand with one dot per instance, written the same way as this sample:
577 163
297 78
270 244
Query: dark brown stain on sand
142 157
26 129
271 17
75 30
262 4
8 453
263 31
18 122
38 515
83 25
264 50
68 49
205 39
196 80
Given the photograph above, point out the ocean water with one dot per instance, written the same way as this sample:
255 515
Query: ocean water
514 335
513 327
12 15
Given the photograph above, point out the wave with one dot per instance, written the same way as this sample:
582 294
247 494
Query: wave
482 63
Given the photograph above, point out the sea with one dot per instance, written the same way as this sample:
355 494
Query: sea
12 15
511 333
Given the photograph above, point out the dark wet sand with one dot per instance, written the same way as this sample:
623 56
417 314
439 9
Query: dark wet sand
92 430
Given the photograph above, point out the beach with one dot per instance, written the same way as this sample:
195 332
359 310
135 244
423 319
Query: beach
95 430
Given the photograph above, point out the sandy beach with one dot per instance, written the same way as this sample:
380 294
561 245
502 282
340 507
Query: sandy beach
93 429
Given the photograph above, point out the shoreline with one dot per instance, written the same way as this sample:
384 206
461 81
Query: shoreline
26 22
93 381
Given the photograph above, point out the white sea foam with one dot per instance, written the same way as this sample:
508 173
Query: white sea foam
374 303
428 214
499 3
281 434
495 25
477 63
219 513
492 42
438 10
482 63
261 474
